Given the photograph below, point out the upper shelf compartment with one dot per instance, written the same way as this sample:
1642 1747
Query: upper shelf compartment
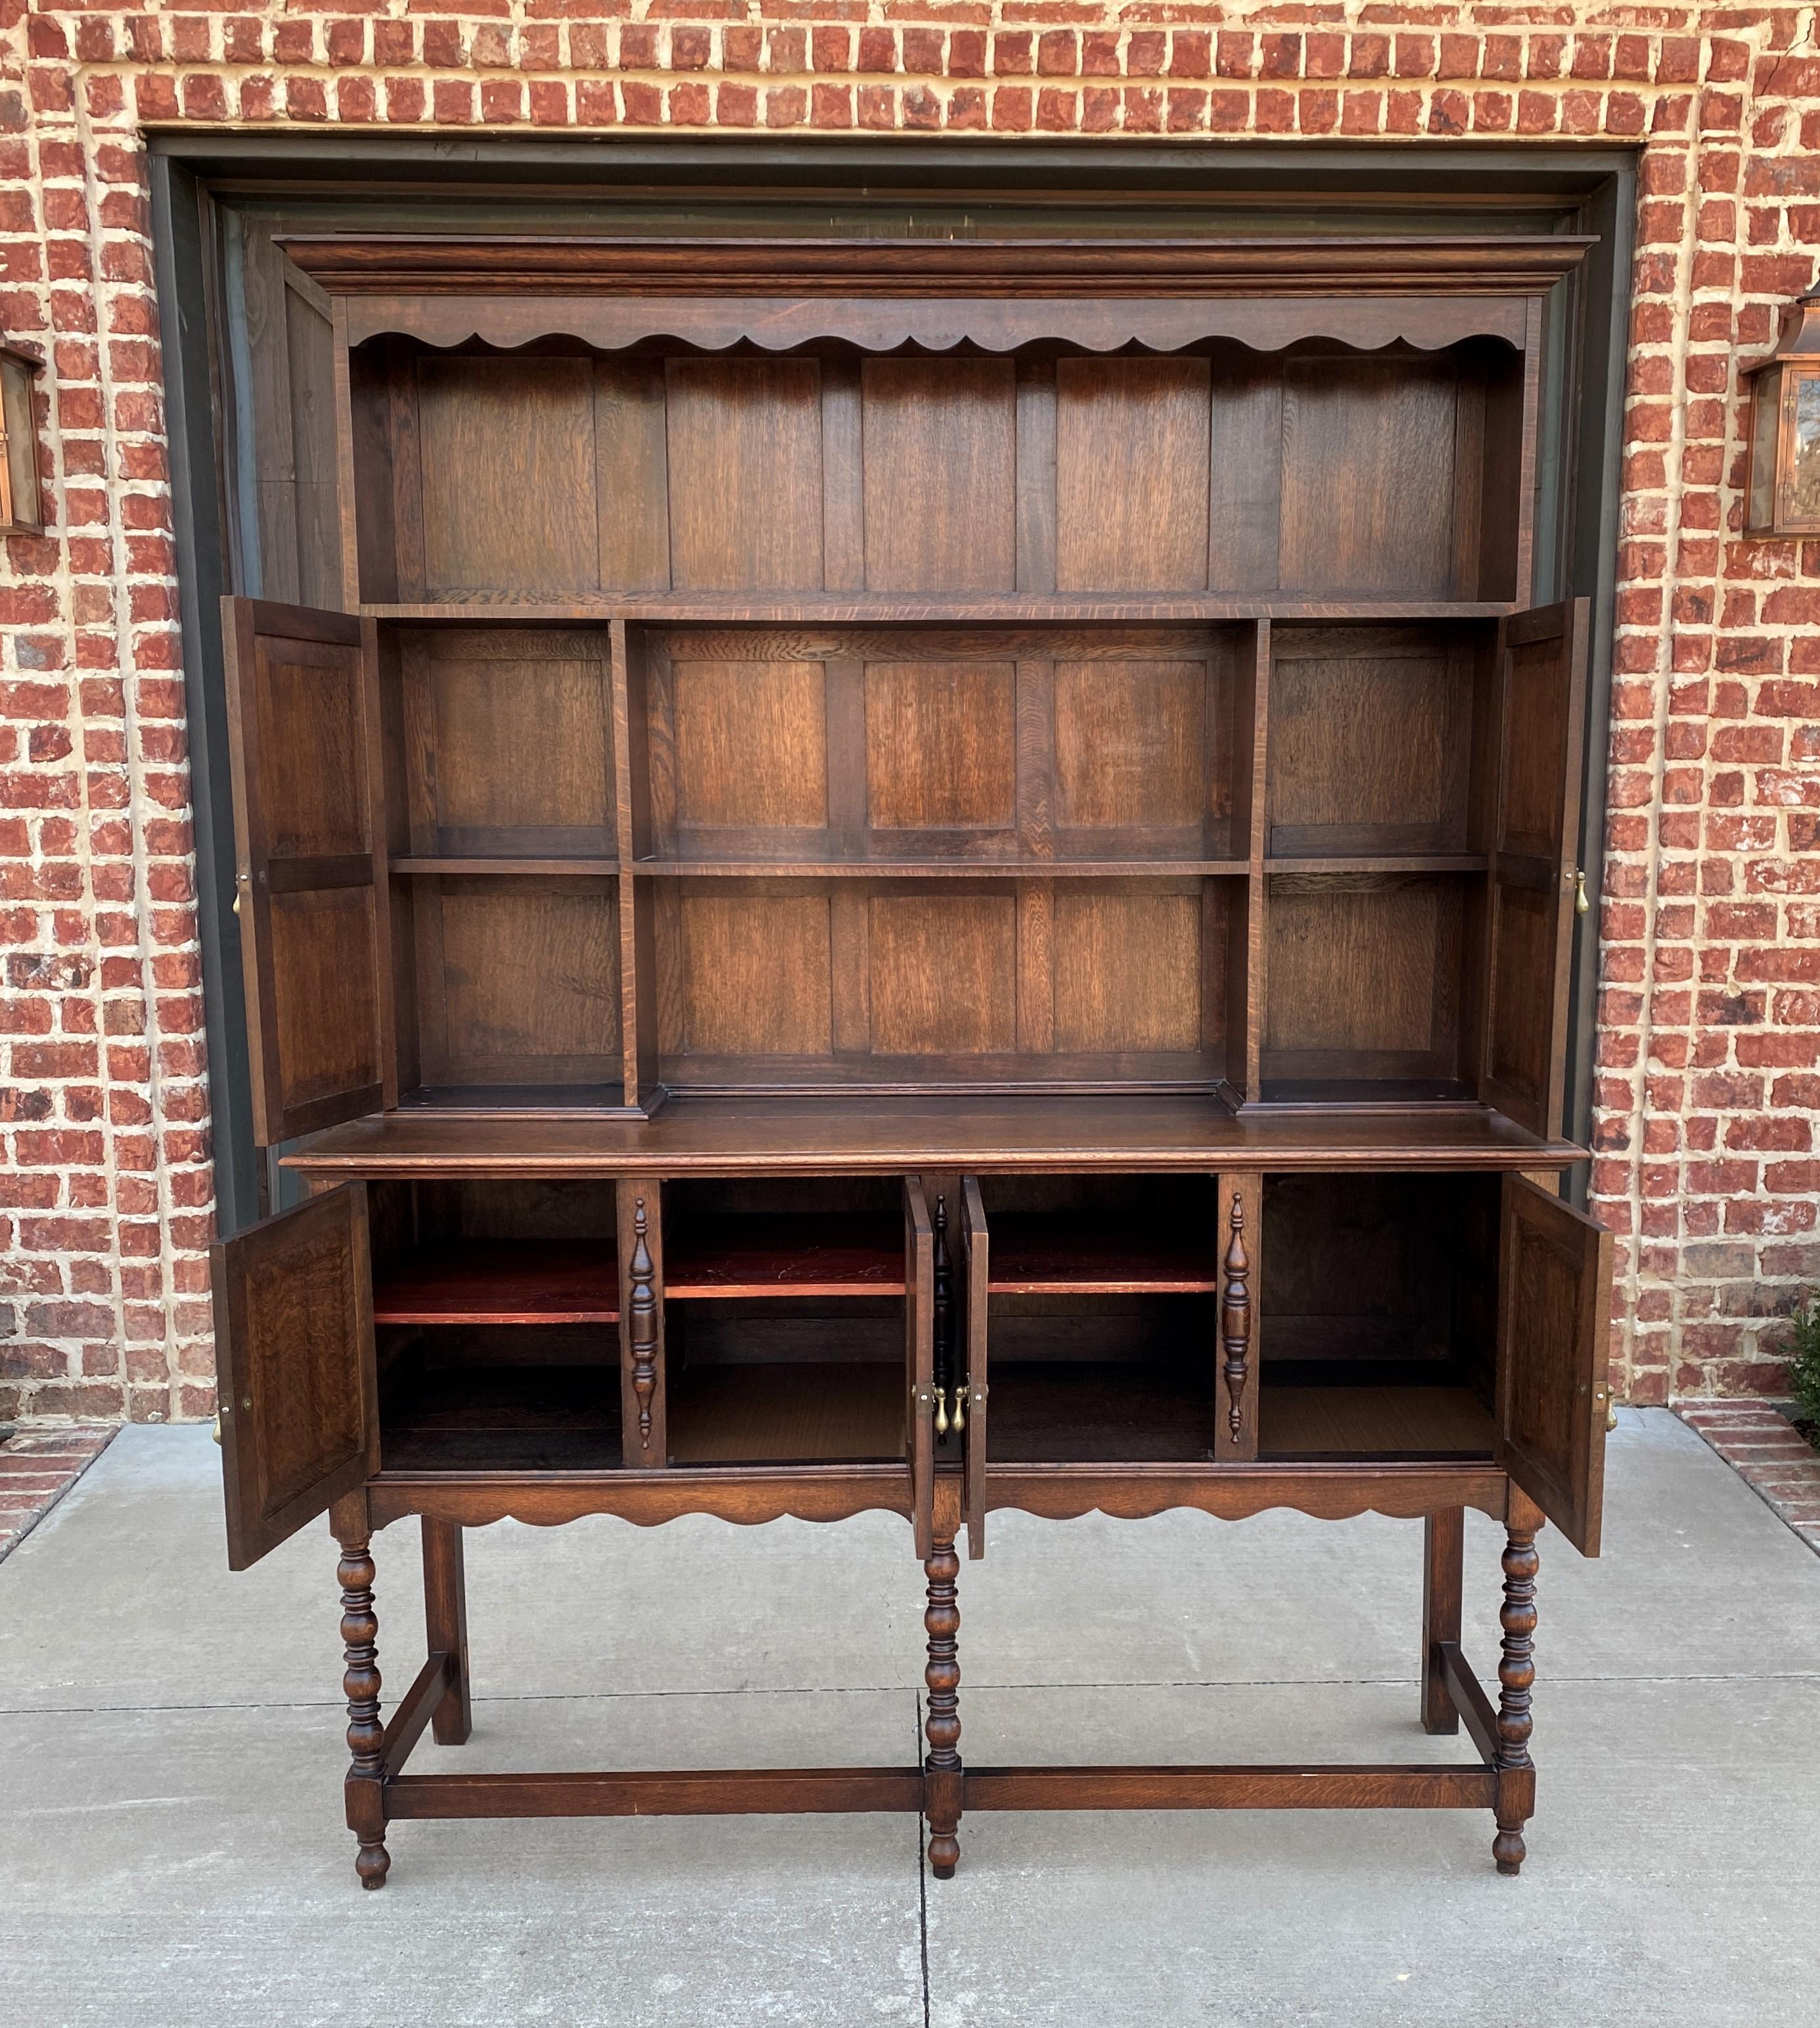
580 420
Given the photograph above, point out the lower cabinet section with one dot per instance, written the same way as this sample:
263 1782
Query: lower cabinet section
996 1326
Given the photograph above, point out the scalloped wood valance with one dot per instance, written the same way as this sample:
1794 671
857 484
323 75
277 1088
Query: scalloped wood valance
879 295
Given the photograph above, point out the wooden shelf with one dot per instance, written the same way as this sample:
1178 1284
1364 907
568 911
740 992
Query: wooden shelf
593 869
821 1412
1388 862
937 869
1335 1424
810 608
898 1133
1100 1412
1041 1256
783 1256
514 1281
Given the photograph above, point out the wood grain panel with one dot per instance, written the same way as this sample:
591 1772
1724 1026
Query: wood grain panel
1130 744
940 744
751 744
312 783
941 462
755 971
745 474
1540 679
530 982
631 455
327 1013
1131 475
943 975
519 726
1370 738
507 448
1246 455
1128 968
1368 476
1365 966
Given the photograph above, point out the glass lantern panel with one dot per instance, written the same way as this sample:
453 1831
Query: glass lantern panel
1766 419
1802 502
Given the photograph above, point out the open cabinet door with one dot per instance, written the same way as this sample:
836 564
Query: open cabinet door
303 735
1542 680
920 1361
294 1350
1554 1330
974 1269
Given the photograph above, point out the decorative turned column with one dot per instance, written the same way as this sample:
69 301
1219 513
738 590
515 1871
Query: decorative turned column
1516 1677
1235 1318
941 1784
360 1632
643 1315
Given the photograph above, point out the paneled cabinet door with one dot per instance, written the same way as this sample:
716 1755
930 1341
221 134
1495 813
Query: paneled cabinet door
920 1361
974 1265
1542 687
310 890
1554 1333
293 1349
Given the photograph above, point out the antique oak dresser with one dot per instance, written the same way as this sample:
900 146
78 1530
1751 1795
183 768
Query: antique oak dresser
931 877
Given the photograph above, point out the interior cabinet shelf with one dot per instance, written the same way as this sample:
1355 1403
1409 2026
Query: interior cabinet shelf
939 869
593 869
821 1413
776 1256
1309 1424
515 1282
1391 862
694 608
1047 1256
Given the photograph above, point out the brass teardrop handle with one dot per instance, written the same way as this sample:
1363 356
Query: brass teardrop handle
941 1412
960 1395
1581 905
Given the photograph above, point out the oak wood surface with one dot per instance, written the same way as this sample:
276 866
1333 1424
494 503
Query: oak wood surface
520 1281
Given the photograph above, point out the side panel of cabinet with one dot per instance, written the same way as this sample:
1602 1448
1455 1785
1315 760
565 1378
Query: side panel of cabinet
1554 1314
1543 684
294 1337
919 1359
975 1263
304 740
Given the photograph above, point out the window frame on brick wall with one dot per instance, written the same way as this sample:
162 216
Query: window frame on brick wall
651 184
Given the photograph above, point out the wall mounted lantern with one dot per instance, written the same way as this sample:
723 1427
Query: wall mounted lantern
21 502
1782 487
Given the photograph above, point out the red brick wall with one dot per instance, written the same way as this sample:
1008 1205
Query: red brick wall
1708 1089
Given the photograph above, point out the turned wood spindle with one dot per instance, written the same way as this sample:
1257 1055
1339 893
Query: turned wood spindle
642 1312
1516 1677
941 1725
1235 1318
360 1632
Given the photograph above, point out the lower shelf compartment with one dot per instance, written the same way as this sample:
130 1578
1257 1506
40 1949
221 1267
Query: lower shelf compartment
1343 1425
1099 1411
788 1412
503 1418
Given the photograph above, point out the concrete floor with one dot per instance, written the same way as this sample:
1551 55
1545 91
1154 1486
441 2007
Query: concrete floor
171 1851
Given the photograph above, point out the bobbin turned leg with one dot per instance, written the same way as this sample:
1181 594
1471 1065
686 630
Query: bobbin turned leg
941 1779
445 1622
360 1629
1444 1542
1516 1790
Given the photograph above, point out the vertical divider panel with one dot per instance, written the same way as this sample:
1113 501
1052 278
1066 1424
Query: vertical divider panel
407 473
653 1454
1239 1251
631 803
920 1361
380 833
1246 984
352 591
1469 479
1036 475
975 1266
843 495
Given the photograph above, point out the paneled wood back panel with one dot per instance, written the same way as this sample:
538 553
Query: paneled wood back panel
1316 471
771 744
846 982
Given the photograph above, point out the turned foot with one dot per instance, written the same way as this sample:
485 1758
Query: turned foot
1516 1771
365 1784
941 1726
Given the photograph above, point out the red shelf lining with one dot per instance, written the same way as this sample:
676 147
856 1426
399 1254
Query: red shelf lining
504 1282
762 1256
1043 1256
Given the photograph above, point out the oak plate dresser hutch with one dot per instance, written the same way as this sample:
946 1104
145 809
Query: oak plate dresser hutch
923 876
